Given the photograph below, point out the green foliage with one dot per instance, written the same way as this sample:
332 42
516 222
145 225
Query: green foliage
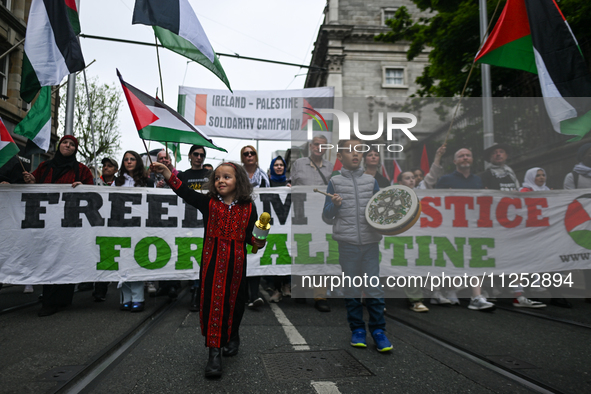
105 101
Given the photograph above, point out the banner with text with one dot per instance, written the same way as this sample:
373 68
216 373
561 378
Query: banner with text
252 114
56 234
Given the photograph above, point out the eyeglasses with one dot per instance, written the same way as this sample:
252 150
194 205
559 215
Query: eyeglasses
249 153
129 159
197 154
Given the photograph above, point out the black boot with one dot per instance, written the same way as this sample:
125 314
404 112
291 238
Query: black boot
231 348
195 300
213 369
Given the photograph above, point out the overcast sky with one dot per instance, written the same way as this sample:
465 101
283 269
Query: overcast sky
277 30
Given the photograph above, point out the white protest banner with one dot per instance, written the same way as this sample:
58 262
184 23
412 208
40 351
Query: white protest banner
56 234
462 232
258 114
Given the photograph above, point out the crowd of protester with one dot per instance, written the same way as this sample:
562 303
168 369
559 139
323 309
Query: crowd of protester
312 169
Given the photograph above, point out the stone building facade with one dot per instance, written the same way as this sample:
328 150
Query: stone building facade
359 67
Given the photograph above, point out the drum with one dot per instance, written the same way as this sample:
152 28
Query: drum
393 210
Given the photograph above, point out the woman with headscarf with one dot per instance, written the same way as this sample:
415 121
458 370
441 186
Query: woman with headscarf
277 171
534 181
62 169
280 286
250 162
132 174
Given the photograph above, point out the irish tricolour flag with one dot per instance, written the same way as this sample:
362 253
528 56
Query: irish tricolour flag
8 147
533 35
156 121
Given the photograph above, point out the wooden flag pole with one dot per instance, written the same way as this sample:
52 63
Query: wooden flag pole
147 151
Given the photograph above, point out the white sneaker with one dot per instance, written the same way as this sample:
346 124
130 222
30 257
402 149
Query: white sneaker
522 302
418 307
151 287
286 290
479 303
452 297
29 289
438 299
276 297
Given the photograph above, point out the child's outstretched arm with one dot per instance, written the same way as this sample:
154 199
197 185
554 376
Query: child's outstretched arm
191 197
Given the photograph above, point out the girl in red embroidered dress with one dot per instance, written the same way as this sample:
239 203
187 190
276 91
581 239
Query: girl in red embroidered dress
229 216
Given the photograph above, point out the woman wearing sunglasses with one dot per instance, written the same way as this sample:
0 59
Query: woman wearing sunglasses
258 178
250 161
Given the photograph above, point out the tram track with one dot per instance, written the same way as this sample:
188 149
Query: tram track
19 307
101 362
480 359
543 316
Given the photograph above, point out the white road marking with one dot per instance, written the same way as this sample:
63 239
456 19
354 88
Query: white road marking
295 338
325 387
298 342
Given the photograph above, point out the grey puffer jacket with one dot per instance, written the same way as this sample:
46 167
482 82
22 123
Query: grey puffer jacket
349 225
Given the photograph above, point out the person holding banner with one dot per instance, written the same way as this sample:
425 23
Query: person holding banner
311 171
373 165
62 169
462 178
281 284
429 180
229 217
132 173
250 161
257 178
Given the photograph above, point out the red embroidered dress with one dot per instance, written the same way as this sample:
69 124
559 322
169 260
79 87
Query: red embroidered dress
223 262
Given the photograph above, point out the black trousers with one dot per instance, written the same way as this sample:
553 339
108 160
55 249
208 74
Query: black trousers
58 295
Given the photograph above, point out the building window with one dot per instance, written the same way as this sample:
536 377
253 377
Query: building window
4 77
6 3
388 13
394 77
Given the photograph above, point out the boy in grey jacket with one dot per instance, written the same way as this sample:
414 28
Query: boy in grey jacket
358 245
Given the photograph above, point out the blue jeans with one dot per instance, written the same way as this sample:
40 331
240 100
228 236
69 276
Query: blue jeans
357 261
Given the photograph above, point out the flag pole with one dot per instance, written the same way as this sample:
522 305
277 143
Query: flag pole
91 124
470 73
147 151
159 69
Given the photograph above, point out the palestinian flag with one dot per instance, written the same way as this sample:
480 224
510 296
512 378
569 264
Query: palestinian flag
336 170
533 35
36 126
52 50
178 29
72 8
156 121
8 147
425 161
397 171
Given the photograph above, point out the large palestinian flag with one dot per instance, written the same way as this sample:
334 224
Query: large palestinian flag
156 121
178 29
52 50
534 36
